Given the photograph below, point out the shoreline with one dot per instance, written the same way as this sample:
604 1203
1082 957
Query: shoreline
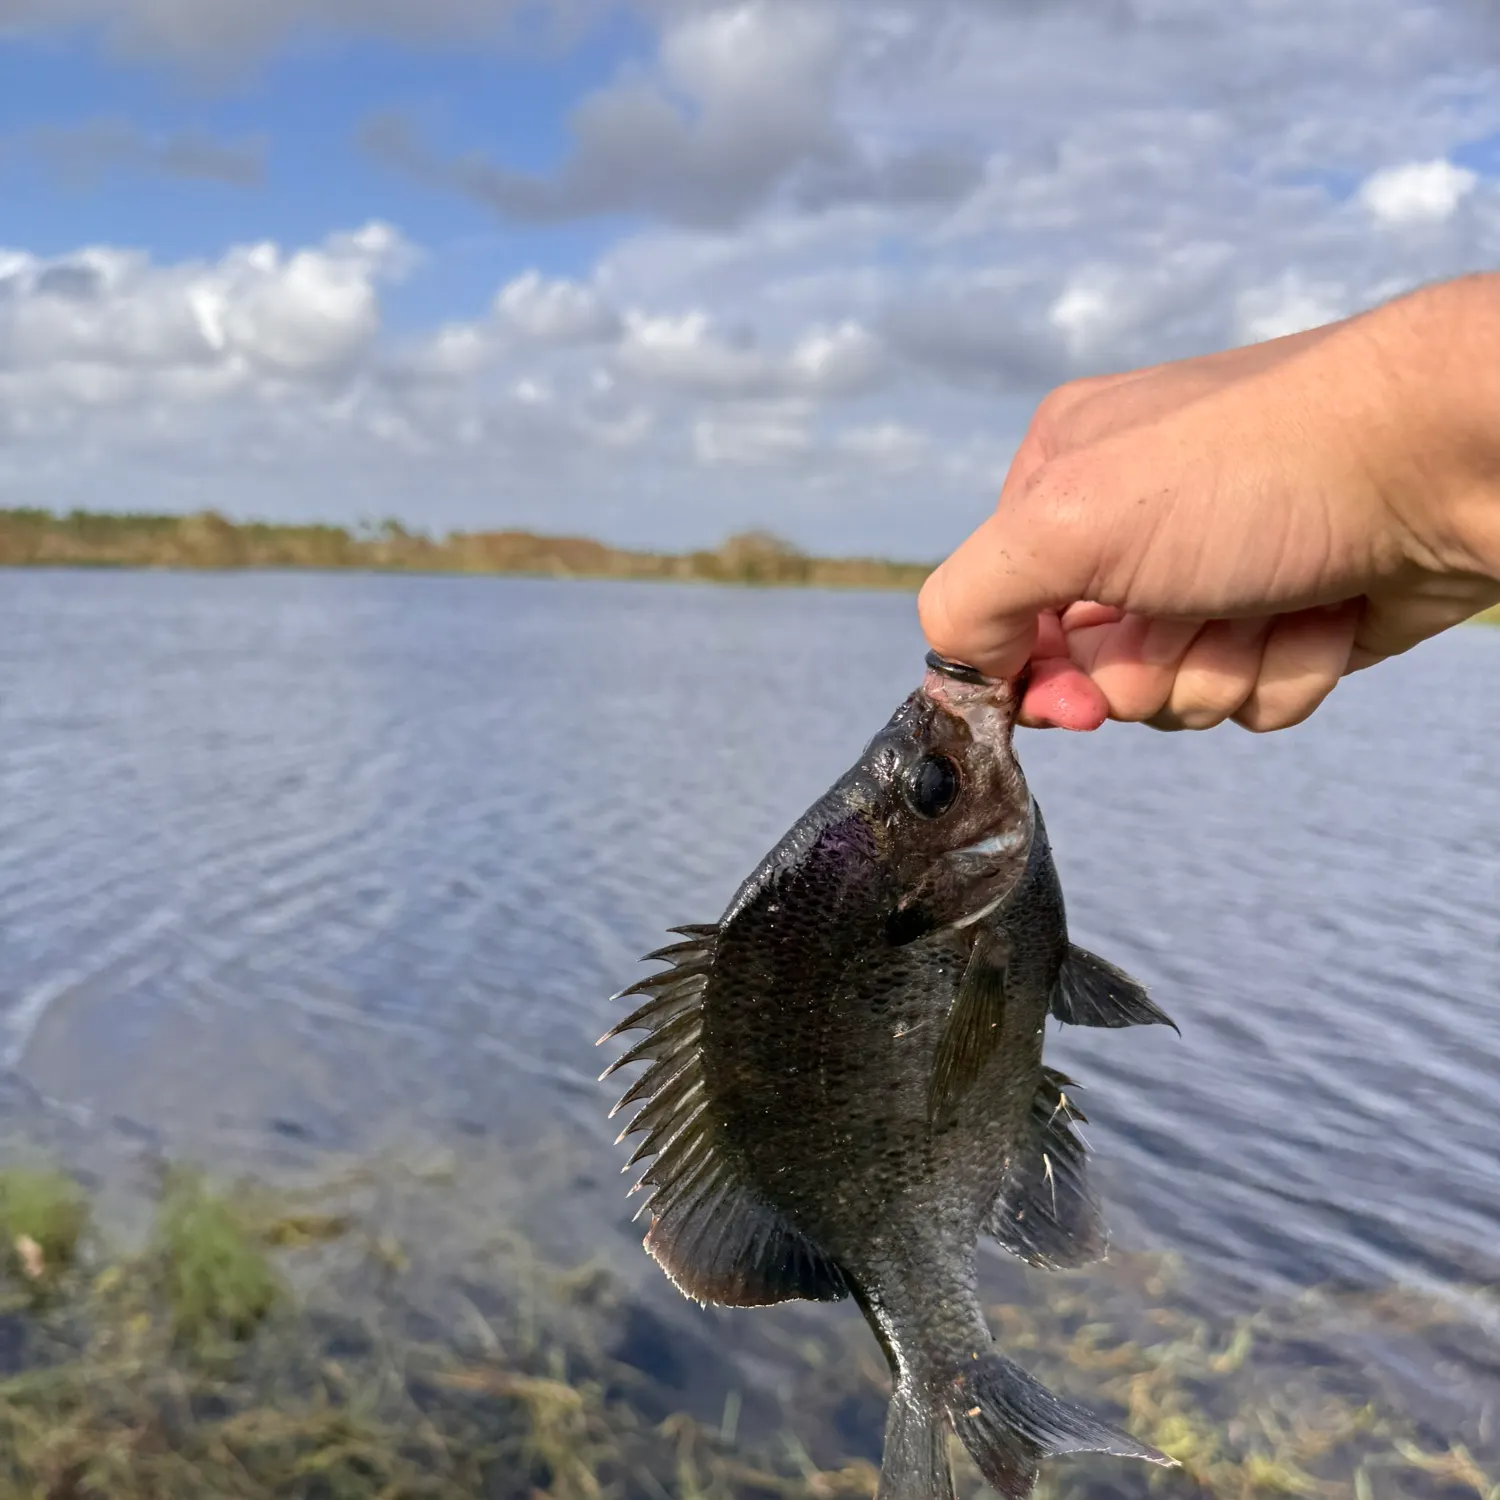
208 542
372 570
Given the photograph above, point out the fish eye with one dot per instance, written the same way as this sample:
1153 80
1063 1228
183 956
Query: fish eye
931 786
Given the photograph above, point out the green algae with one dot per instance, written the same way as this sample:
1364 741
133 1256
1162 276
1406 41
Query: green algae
218 1283
324 1347
44 1216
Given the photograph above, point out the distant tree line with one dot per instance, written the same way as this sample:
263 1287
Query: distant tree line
99 539
206 539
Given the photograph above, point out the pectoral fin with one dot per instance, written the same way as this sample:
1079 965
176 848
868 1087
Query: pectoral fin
1091 992
972 1030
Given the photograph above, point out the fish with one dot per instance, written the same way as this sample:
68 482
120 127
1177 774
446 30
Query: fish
845 1088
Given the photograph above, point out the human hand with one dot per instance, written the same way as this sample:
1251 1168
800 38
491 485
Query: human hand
1225 537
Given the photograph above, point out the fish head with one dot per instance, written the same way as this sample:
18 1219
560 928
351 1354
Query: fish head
956 816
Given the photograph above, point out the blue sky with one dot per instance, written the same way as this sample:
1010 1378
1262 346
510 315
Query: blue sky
299 113
661 270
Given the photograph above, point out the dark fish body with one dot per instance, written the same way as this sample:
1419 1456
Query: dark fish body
847 1090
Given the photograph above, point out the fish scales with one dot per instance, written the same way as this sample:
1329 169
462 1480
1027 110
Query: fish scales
846 1087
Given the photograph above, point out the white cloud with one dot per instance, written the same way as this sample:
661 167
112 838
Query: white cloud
225 34
684 350
838 361
457 351
556 311
532 392
312 312
1426 192
1087 312
862 241
628 430
1290 305
739 99
751 439
748 61
739 112
309 313
886 445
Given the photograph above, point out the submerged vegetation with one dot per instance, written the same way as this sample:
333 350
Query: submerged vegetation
38 538
258 1344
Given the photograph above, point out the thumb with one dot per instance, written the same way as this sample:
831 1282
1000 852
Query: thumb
980 607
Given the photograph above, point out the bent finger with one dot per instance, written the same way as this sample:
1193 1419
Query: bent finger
1217 675
1135 662
1305 656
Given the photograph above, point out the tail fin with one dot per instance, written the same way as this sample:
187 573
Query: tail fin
915 1465
1009 1422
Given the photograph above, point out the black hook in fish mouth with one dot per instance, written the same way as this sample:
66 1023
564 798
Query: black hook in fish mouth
957 670
961 672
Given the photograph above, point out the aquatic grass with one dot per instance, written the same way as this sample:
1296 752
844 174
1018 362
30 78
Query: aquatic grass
43 1218
218 1281
368 1340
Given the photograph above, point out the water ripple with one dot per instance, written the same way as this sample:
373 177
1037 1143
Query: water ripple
335 850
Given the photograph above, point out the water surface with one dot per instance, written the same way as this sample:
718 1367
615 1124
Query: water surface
293 863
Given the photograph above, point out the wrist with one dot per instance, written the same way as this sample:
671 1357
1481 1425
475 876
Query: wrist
1441 350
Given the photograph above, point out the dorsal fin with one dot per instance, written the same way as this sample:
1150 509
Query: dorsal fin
710 1231
972 1030
1047 1213
1092 992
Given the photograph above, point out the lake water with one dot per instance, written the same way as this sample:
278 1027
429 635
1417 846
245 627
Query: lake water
296 864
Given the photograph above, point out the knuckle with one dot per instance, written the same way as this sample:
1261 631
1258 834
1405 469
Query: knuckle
1257 718
1050 409
1274 706
1138 697
1204 700
1058 490
1201 716
1050 420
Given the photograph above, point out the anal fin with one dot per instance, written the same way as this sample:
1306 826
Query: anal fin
1047 1213
1092 992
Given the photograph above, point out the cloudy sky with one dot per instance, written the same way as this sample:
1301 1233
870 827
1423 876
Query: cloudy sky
659 270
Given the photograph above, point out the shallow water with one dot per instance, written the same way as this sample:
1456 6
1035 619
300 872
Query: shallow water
295 864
